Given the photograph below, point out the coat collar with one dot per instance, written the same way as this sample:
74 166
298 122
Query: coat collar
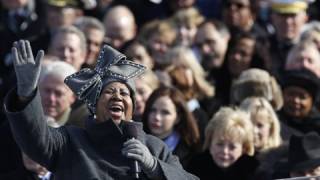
108 132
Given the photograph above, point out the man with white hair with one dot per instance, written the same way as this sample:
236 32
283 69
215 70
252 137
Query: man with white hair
69 44
304 55
56 97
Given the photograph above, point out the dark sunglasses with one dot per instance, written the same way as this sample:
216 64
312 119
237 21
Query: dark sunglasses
238 5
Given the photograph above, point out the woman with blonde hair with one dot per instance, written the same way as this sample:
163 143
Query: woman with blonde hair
265 121
187 22
158 36
195 86
228 147
189 77
258 83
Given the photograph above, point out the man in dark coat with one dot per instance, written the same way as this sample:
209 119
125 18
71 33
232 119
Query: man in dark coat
288 18
21 19
111 146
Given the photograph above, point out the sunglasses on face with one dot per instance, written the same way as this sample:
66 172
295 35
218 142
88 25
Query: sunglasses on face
238 5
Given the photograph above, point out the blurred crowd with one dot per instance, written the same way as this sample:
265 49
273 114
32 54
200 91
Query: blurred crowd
231 87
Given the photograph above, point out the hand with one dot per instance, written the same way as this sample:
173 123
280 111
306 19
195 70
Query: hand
134 149
26 67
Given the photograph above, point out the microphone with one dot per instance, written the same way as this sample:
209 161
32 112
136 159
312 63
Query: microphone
131 130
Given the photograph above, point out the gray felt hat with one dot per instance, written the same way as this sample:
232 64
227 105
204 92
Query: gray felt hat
112 66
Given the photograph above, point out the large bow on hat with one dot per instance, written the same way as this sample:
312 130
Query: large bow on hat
111 64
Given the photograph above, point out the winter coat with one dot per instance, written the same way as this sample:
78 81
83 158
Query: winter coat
302 125
92 153
205 168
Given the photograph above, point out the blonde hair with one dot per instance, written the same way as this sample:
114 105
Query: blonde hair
183 56
256 105
231 123
162 28
150 79
257 82
189 16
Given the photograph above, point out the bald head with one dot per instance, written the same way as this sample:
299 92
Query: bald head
120 26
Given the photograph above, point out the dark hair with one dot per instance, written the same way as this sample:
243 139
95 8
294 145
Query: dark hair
257 59
187 127
252 5
220 26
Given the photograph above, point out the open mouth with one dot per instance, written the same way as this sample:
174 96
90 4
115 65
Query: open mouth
116 111
116 108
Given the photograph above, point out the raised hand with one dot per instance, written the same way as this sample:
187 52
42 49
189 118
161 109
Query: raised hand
134 149
26 67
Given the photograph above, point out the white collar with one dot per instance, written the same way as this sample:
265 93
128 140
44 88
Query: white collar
193 104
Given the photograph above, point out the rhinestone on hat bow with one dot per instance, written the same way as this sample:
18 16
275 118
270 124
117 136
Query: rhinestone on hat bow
111 64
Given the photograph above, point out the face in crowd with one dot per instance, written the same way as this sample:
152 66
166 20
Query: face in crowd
114 103
225 151
238 14
138 53
288 26
67 46
143 92
61 16
120 26
262 128
94 41
297 101
212 46
305 57
56 97
162 117
240 56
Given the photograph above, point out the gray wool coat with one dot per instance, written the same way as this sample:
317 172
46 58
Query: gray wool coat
92 153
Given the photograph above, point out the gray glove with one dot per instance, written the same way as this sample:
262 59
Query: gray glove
26 67
134 149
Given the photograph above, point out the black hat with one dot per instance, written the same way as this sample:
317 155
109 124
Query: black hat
302 78
112 66
304 152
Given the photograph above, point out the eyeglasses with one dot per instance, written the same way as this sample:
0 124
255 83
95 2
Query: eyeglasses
238 5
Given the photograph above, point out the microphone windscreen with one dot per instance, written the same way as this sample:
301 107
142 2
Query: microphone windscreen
131 130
